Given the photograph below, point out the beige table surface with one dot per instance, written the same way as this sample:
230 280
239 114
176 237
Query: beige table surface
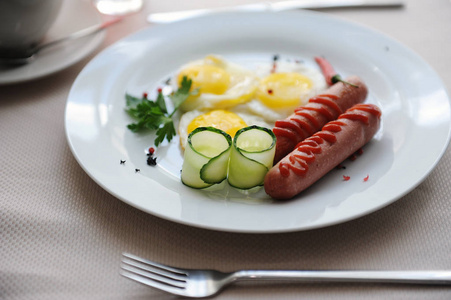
61 235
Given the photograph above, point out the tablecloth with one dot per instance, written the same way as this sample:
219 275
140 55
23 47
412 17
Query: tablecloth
62 235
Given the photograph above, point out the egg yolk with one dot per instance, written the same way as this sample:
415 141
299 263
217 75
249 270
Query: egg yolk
209 79
283 90
227 121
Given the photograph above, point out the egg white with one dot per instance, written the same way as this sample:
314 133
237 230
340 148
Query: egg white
243 82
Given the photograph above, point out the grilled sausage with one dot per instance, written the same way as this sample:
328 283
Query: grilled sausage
323 151
308 119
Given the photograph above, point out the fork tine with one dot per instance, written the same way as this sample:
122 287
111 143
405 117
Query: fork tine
154 264
154 276
152 283
157 274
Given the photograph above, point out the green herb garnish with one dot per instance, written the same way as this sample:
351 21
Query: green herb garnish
153 115
337 78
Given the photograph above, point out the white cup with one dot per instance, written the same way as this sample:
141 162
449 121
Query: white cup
24 23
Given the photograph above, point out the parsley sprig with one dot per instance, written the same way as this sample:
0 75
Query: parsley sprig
154 115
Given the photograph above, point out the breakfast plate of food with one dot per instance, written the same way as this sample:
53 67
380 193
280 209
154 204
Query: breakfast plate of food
276 124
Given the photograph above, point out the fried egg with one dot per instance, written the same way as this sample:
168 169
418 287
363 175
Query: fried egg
284 88
228 121
231 96
220 84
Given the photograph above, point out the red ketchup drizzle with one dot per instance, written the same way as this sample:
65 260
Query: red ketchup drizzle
304 125
327 136
322 110
290 125
308 116
283 132
327 102
353 113
309 146
334 126
370 109
355 116
303 121
304 154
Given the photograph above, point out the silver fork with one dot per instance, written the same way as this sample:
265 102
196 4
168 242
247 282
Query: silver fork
204 283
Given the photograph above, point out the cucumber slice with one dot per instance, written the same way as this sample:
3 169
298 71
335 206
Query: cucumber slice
251 157
206 157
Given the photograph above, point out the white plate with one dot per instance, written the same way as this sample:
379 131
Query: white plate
57 58
413 137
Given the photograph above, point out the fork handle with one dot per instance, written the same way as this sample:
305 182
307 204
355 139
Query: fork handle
407 277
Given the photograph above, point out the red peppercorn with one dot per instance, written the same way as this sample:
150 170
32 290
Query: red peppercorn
270 92
274 67
151 150
159 90
145 95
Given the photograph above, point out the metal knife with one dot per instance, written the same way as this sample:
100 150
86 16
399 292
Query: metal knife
168 17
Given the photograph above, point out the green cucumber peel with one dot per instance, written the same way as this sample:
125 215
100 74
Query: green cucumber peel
251 157
206 157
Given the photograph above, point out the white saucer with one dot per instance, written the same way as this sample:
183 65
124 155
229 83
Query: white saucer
62 56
